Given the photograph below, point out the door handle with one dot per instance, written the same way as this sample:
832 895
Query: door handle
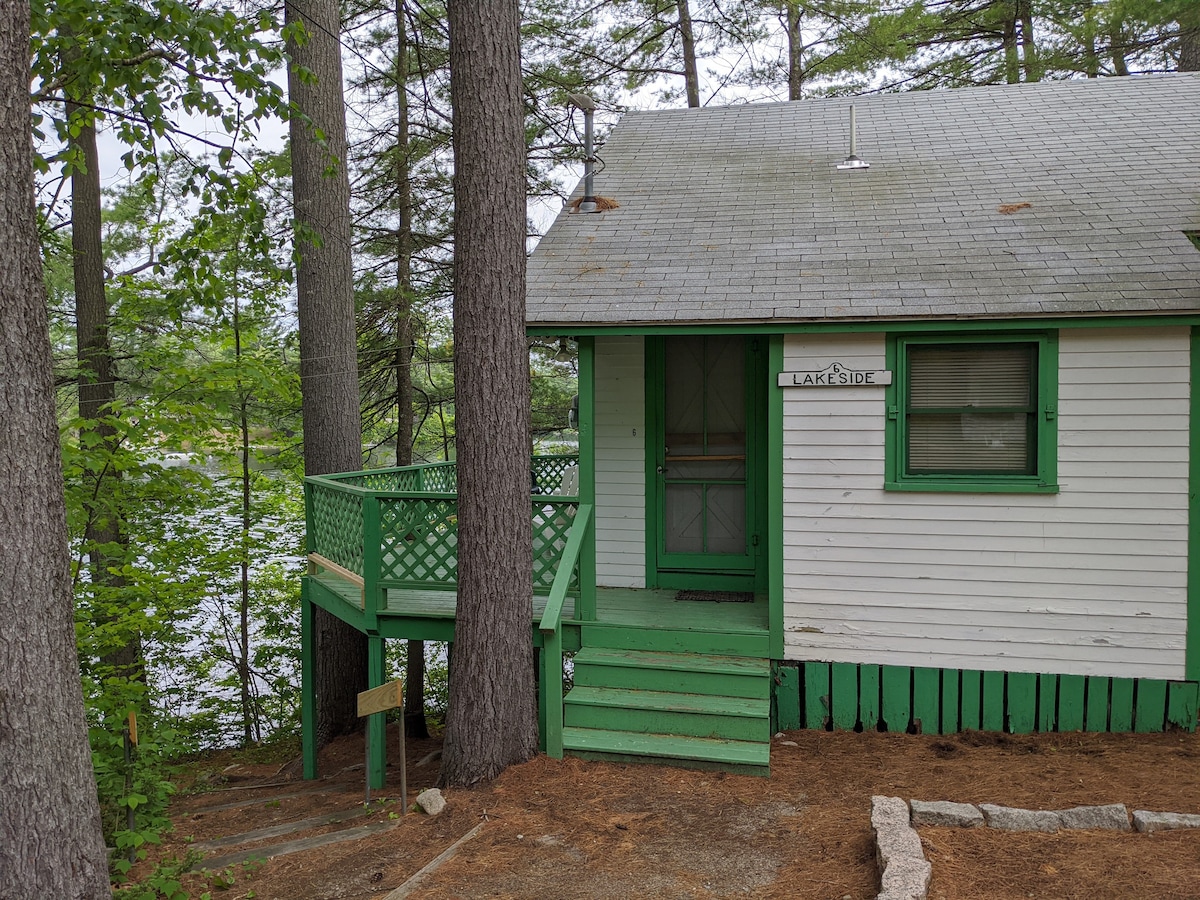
661 470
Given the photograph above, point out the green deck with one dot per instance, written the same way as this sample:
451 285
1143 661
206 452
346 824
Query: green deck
684 681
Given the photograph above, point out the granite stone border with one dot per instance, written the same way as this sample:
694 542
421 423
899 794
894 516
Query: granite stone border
904 873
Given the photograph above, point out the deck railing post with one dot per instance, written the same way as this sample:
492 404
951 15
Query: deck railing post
586 610
552 686
308 700
373 599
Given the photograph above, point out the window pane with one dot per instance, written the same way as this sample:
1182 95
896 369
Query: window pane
970 442
974 376
684 514
726 508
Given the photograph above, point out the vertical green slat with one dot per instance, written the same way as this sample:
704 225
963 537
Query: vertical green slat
552 676
308 699
1150 705
652 357
373 597
897 698
376 735
816 694
1191 656
539 664
1070 702
1021 702
950 701
1181 704
1120 717
586 610
926 700
787 698
868 697
969 699
775 496
844 696
993 701
1097 704
1047 716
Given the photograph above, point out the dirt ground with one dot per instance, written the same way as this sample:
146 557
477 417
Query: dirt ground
577 829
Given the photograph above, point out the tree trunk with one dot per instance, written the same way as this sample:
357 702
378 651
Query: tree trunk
1029 57
1189 39
50 840
1012 62
691 76
103 537
492 713
793 18
325 306
414 679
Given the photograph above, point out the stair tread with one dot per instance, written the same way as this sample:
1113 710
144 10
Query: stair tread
674 701
661 659
667 746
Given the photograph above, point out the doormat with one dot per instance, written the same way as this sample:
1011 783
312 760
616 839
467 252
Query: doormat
717 596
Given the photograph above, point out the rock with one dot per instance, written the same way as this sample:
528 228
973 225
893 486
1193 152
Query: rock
788 744
431 801
1009 819
1149 822
903 870
945 814
1113 817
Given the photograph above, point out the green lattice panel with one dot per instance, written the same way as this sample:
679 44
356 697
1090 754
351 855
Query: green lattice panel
439 479
419 540
552 520
548 473
336 529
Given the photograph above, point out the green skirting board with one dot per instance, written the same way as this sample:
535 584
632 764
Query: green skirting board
851 697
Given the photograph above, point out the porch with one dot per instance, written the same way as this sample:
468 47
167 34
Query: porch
655 676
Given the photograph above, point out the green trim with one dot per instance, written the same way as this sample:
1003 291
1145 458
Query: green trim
1044 410
786 699
774 489
586 604
1191 665
843 696
652 368
884 325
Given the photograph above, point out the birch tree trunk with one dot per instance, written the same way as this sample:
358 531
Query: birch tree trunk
50 841
492 714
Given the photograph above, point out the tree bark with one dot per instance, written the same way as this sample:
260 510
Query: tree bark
104 539
1029 57
691 75
1189 39
325 306
50 840
492 714
414 677
793 18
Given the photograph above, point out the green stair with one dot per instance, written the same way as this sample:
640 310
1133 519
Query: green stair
685 708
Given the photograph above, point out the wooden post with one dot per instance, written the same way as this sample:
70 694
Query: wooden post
308 700
375 737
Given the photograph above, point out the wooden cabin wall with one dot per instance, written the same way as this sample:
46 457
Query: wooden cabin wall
1088 581
620 462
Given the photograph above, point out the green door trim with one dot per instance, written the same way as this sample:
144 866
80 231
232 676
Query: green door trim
701 570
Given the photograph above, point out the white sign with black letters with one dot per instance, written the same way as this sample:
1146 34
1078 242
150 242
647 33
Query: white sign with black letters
835 375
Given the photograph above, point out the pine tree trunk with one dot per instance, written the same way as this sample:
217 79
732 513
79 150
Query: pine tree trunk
50 841
492 713
691 75
1189 39
793 17
414 678
325 304
1029 57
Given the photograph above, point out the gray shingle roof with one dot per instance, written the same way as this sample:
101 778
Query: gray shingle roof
739 213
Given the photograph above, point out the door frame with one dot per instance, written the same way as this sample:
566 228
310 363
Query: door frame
700 575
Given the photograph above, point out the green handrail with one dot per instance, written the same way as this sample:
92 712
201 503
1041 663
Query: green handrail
551 629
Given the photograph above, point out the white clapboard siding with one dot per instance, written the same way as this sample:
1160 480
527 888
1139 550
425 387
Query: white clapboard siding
620 462
1088 581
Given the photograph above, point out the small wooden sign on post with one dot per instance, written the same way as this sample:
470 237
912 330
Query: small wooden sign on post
380 700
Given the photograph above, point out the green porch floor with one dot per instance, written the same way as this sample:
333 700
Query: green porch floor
429 614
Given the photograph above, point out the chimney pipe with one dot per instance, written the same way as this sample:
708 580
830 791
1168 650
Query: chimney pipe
588 105
852 161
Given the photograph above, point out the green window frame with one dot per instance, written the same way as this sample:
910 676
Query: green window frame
915 412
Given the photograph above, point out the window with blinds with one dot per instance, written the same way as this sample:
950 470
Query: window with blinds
971 409
973 412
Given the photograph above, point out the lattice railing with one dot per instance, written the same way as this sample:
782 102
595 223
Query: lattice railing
418 522
335 526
